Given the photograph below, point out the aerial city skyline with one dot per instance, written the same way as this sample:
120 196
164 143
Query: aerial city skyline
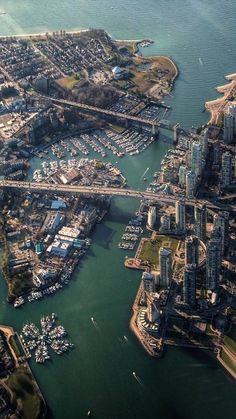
118 206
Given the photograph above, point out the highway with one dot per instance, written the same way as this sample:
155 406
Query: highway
101 190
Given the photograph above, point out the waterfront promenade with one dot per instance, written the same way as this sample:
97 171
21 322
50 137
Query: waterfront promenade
143 337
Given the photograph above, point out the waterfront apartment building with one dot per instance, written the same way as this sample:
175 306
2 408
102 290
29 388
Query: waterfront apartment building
165 264
213 262
180 216
204 142
191 250
200 219
151 217
189 285
221 223
226 171
153 309
148 282
196 159
230 125
191 182
182 175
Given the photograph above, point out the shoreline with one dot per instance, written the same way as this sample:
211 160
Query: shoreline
9 333
134 328
43 34
135 45
217 106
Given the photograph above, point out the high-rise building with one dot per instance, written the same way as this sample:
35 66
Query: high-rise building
226 174
221 223
190 184
151 217
189 284
230 124
196 159
182 175
165 263
191 250
180 215
213 262
200 218
235 168
148 282
165 223
204 142
216 154
153 309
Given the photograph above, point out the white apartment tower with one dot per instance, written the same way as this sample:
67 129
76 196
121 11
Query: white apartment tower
165 263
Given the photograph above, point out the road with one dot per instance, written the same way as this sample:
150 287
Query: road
119 115
101 190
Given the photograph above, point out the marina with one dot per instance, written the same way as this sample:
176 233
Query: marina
132 233
49 337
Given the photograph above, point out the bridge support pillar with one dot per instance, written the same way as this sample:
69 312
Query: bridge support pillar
176 130
155 131
140 127
127 123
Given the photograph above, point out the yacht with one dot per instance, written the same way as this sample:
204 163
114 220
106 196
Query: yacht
19 301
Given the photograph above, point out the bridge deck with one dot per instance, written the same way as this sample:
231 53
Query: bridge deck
119 115
101 190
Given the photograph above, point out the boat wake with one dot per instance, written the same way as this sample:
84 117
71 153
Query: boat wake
144 173
95 324
136 377
195 365
200 61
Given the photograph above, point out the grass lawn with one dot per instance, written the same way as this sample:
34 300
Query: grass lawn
230 343
69 82
150 249
228 361
26 394
144 80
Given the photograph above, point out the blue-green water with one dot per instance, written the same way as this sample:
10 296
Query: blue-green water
97 374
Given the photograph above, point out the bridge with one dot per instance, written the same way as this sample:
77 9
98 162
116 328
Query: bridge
108 191
228 197
154 124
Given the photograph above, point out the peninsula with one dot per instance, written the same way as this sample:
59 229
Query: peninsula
40 76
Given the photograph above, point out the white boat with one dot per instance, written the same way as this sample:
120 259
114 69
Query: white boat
19 301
